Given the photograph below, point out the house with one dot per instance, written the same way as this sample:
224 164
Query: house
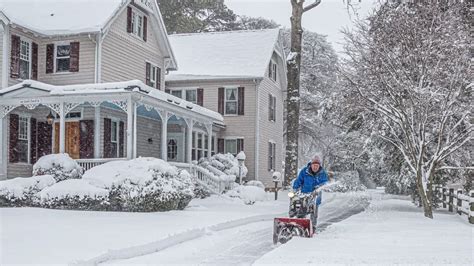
87 78
242 76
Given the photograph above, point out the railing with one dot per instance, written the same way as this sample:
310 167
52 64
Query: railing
212 182
464 203
87 164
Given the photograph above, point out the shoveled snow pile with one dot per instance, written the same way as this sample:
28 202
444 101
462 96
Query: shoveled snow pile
255 183
248 194
346 181
60 166
21 191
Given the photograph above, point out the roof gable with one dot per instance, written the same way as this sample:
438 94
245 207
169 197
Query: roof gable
231 53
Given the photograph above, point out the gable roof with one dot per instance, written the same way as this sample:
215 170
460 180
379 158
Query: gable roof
223 55
60 17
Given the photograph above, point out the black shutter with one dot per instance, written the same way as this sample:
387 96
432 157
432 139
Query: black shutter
144 28
129 20
49 58
220 99
274 108
220 145
147 73
270 111
200 96
33 141
45 134
74 62
12 151
34 61
241 102
240 145
15 57
122 139
158 78
87 139
269 156
107 138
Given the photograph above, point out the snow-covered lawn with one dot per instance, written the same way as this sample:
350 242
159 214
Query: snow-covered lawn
391 231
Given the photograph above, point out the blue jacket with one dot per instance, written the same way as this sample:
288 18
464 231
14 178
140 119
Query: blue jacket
309 181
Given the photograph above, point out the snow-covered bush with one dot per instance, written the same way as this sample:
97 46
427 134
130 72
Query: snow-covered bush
346 181
226 166
60 166
200 192
74 194
143 184
248 194
255 184
22 191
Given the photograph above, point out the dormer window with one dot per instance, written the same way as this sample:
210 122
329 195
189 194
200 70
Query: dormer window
25 59
63 57
137 23
272 70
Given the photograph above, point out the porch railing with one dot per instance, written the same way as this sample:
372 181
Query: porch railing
87 164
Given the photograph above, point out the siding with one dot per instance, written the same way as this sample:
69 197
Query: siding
86 61
124 55
1 57
148 128
236 126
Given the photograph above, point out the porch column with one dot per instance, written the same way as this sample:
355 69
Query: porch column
3 158
164 136
209 140
129 128
135 130
189 139
62 129
97 131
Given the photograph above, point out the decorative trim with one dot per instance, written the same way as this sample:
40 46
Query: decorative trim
68 107
122 104
56 107
95 103
5 109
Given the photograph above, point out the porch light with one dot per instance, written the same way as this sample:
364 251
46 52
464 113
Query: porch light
50 118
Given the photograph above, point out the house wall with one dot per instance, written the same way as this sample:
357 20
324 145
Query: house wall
236 126
124 55
1 56
86 60
148 128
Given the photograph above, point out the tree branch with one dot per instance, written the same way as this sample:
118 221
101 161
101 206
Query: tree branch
311 6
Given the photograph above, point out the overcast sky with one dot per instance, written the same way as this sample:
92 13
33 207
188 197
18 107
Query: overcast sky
328 18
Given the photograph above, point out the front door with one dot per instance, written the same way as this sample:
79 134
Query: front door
73 139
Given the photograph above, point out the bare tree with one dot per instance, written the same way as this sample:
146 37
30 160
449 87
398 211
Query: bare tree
411 67
293 93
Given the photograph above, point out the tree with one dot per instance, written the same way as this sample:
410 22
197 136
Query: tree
293 91
250 23
410 68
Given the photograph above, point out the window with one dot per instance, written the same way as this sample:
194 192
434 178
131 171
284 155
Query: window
193 152
231 146
271 156
23 137
272 70
231 101
63 57
114 138
137 24
177 93
25 59
271 108
172 149
153 76
213 146
191 96
199 145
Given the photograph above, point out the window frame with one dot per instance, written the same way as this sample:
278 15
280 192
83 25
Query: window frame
56 44
272 108
117 134
186 95
137 28
231 101
29 55
272 156
173 150
27 119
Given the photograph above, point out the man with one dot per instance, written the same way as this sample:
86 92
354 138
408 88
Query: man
310 178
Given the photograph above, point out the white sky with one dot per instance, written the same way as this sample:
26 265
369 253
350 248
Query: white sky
328 18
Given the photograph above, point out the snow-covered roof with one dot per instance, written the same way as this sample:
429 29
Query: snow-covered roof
115 87
217 55
60 17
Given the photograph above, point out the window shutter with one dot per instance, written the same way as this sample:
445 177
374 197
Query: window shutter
121 139
147 73
33 141
220 96
74 62
270 70
15 57
274 108
107 138
13 153
270 111
200 97
241 101
34 61
86 139
269 156
220 145
144 28
129 19
45 133
49 58
158 78
240 145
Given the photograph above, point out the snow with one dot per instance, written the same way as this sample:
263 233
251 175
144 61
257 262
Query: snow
71 188
249 194
213 55
20 186
137 171
240 156
57 160
60 17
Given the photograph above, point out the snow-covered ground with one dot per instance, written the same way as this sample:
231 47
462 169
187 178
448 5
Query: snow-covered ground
222 230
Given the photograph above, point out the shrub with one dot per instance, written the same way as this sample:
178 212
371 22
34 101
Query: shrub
248 194
22 191
60 166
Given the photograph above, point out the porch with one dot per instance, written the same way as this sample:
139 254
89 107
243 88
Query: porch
95 123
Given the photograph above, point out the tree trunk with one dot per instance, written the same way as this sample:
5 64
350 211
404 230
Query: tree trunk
427 208
293 94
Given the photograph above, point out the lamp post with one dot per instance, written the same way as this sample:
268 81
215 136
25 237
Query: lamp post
276 176
241 159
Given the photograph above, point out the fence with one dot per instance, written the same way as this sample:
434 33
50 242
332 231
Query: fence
464 204
87 164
